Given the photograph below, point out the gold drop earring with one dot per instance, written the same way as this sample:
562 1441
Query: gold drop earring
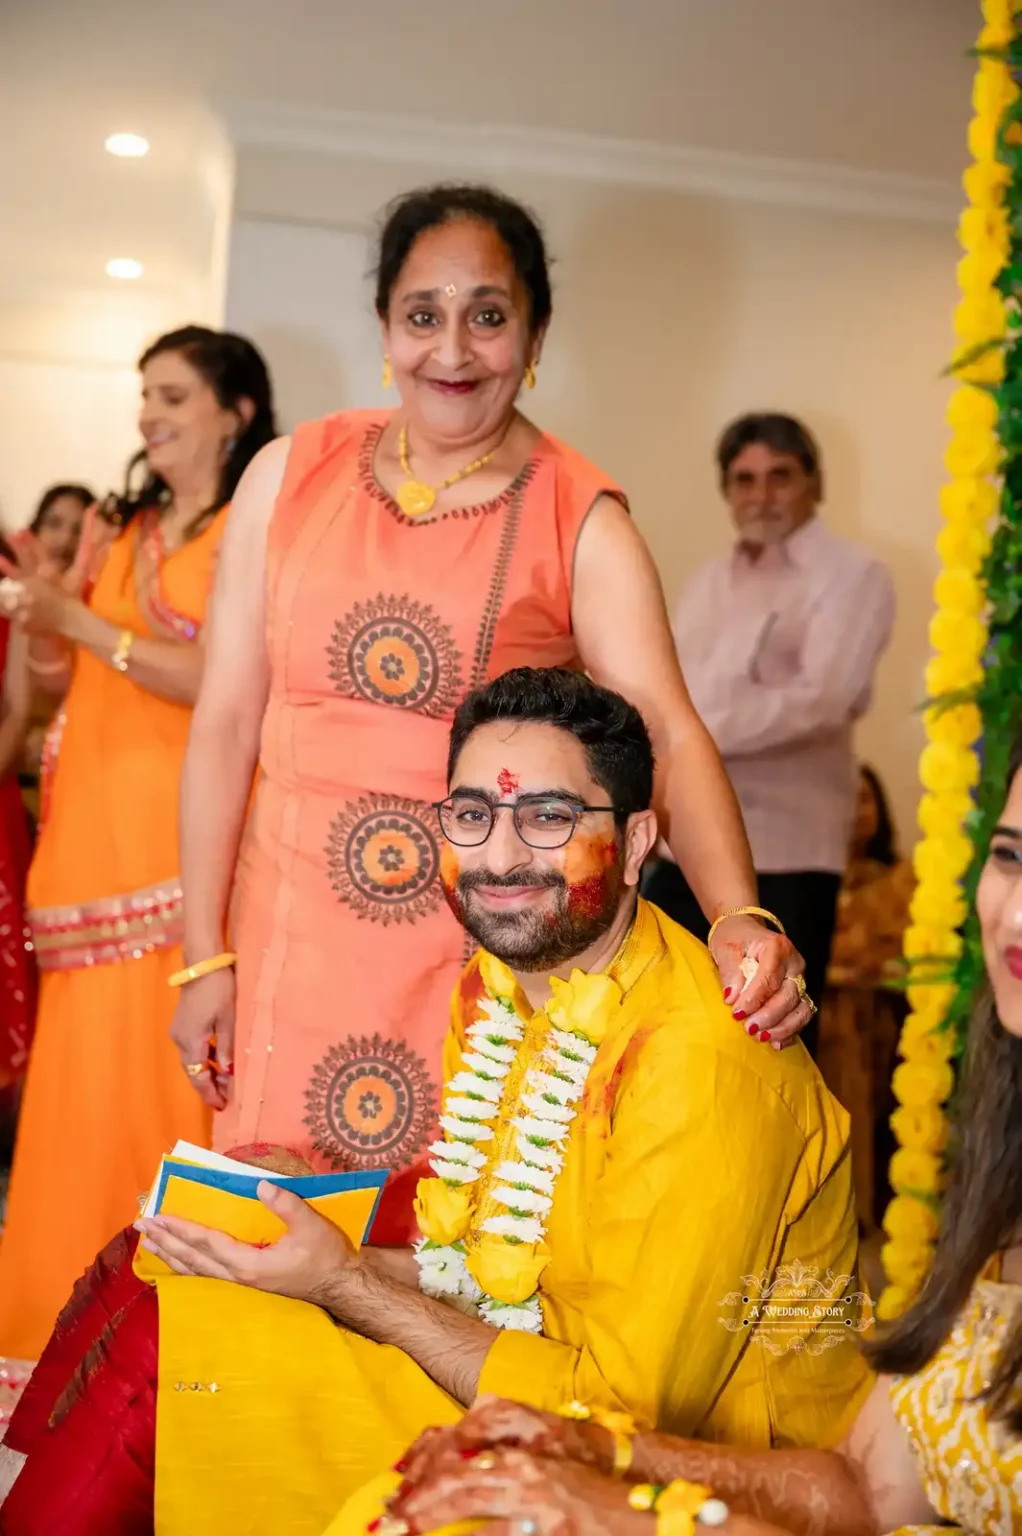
388 375
530 376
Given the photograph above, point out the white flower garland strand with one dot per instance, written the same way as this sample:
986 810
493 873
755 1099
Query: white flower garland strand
525 1186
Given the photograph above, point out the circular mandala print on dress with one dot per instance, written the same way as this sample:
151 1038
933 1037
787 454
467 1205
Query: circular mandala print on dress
394 651
370 1103
383 858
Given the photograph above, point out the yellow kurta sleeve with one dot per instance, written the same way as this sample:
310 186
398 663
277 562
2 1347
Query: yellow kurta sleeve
700 1169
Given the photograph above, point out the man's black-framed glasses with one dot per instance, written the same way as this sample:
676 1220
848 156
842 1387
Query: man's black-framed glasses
541 821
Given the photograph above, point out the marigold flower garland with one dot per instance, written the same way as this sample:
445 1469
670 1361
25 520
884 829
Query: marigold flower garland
507 1118
949 769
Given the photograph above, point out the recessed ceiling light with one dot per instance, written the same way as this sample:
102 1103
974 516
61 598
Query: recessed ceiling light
124 266
129 146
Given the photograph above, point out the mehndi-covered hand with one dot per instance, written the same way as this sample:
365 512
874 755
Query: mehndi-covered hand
495 1421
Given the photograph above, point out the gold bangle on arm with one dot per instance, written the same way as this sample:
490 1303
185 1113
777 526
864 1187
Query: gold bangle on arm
122 652
768 917
620 1426
202 968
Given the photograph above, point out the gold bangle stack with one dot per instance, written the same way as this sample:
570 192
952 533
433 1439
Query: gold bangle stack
768 917
679 1507
202 968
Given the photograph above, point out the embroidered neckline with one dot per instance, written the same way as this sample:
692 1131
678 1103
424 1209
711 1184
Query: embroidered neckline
367 476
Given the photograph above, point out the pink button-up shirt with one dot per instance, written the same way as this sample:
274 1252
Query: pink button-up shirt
779 656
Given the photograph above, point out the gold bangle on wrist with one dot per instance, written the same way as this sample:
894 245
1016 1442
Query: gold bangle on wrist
620 1426
768 917
119 659
679 1507
202 968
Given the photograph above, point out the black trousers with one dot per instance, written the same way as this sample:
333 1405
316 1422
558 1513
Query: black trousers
805 901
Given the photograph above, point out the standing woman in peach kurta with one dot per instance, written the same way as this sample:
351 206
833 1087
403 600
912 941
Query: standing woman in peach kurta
376 566
105 1095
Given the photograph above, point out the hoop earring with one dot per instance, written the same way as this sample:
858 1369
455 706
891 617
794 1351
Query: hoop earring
387 376
529 378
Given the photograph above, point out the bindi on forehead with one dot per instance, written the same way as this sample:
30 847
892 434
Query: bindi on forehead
507 782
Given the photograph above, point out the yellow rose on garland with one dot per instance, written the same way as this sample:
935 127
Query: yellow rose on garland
924 1128
916 1172
584 1004
922 1082
909 1221
509 1272
442 1210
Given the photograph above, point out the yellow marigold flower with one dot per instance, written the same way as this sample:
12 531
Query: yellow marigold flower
931 1044
997 34
929 997
970 407
894 1300
922 943
972 451
980 268
998 13
980 316
942 858
993 90
968 500
916 1083
982 137
906 1264
508 1272
943 767
960 725
909 1221
963 547
938 814
913 1171
924 1128
986 225
987 368
938 907
947 674
984 182
961 634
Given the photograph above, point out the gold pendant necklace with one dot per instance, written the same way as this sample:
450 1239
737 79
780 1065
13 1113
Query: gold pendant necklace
415 497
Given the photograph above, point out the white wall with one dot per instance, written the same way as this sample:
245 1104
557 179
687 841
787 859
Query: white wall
672 314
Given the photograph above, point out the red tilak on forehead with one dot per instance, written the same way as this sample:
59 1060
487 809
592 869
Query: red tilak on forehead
507 782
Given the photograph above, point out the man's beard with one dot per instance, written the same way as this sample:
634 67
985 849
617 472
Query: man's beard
540 939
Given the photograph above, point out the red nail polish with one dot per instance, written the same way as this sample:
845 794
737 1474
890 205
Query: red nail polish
468 1455
753 1030
765 1036
400 1466
727 994
374 1525
740 1015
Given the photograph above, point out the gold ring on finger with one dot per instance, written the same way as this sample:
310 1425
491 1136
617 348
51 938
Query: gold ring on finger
800 986
812 1007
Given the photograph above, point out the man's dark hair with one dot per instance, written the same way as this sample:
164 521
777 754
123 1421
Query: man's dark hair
784 434
610 730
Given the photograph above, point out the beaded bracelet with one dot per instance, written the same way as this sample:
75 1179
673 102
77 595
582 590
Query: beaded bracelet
679 1506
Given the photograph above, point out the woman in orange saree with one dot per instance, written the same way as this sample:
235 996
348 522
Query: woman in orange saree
105 1095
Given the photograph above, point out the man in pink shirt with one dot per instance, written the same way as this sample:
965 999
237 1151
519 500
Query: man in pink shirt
779 641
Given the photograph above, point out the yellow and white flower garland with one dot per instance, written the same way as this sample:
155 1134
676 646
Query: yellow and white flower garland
507 1118
948 767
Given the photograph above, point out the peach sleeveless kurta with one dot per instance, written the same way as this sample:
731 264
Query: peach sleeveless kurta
378 626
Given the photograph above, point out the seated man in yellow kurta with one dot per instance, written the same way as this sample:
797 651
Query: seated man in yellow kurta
616 1159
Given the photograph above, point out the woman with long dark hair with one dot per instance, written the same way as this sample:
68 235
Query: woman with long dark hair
939 1440
120 637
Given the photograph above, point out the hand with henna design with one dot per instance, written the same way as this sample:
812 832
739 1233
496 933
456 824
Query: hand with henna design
513 1490
494 1422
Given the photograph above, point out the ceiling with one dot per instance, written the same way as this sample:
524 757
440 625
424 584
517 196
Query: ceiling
880 85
